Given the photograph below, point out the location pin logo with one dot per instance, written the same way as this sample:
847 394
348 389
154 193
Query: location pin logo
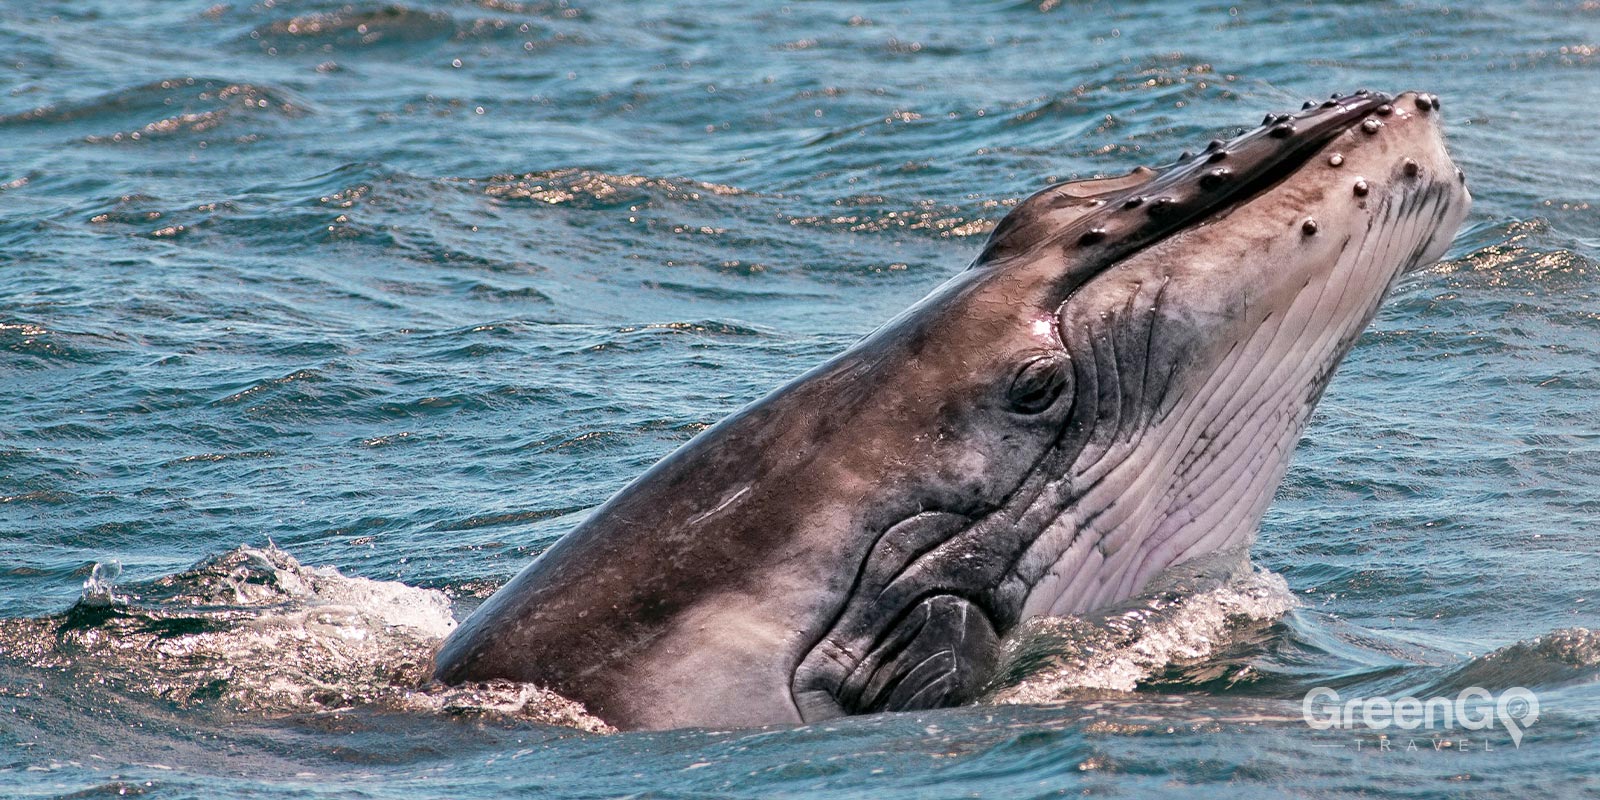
1517 709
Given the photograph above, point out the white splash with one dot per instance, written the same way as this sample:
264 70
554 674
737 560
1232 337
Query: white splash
1119 651
255 631
100 588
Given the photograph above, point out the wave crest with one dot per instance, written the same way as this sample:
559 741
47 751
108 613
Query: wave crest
1053 658
254 631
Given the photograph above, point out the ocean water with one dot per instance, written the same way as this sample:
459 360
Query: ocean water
319 319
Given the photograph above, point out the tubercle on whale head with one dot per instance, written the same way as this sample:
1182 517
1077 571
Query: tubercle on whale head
1123 214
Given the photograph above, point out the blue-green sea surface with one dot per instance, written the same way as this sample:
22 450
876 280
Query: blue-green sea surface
320 318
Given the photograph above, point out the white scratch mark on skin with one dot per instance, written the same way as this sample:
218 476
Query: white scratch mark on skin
703 516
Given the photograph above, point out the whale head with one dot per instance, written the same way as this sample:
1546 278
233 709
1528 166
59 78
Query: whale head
1117 384
1113 388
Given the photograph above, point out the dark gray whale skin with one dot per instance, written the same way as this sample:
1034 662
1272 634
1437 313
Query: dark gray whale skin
1113 388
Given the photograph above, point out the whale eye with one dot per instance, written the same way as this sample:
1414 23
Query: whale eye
1038 382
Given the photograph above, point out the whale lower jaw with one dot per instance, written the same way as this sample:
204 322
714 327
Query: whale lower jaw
1197 478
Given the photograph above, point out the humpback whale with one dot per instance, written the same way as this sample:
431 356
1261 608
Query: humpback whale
1113 388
